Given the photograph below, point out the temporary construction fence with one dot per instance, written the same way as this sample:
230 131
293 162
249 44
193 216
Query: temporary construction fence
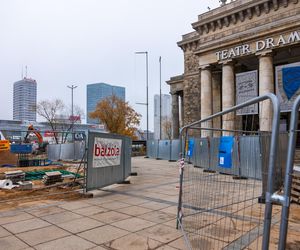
163 149
226 202
108 159
66 151
285 198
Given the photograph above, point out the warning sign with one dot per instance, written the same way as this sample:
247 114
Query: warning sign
4 145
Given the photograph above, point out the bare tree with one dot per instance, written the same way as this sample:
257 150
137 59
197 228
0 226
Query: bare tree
58 117
167 127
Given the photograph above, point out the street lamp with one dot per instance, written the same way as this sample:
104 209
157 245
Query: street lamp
72 105
160 98
147 102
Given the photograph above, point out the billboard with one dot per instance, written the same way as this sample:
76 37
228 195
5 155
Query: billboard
287 85
106 152
246 89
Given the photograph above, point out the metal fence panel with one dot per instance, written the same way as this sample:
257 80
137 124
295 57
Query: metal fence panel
201 157
175 150
164 149
152 149
67 151
127 158
220 210
104 176
285 198
250 157
214 152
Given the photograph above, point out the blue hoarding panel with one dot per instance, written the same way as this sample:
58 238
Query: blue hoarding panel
21 148
190 150
225 151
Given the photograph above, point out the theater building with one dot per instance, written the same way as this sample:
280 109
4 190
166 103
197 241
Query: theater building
238 51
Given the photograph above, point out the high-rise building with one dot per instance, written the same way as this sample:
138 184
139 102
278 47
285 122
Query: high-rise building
25 100
165 116
96 92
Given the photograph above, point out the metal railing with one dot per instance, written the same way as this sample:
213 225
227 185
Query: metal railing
284 199
222 207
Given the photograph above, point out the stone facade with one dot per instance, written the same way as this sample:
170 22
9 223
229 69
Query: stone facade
240 36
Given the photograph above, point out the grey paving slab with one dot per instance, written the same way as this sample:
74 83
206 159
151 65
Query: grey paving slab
167 247
179 244
26 225
170 210
99 200
158 216
161 233
19 216
72 242
39 212
38 236
61 217
133 224
134 210
103 234
12 243
110 217
134 201
114 205
154 205
72 205
171 223
80 225
90 210
98 248
4 232
133 242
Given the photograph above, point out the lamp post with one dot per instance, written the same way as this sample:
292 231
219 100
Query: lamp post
160 133
72 87
147 102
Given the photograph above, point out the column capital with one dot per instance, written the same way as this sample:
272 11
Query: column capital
264 53
173 92
206 66
227 62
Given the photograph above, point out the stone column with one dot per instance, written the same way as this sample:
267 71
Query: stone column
175 115
206 99
182 110
216 93
266 85
228 98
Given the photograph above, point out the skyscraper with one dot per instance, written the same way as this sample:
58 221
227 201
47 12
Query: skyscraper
96 92
165 115
25 100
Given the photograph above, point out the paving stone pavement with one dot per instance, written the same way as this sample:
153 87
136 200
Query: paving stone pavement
136 216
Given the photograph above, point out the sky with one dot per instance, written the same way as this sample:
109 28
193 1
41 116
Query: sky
65 42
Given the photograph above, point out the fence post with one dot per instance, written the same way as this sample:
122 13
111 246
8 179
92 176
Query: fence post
157 150
272 157
288 175
170 155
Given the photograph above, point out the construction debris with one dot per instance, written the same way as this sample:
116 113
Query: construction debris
15 176
6 184
52 177
25 185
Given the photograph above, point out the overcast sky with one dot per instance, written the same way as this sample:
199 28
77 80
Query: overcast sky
65 42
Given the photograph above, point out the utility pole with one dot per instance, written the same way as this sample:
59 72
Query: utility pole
147 96
160 132
72 104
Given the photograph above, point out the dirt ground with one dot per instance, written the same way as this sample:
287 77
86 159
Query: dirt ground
16 198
